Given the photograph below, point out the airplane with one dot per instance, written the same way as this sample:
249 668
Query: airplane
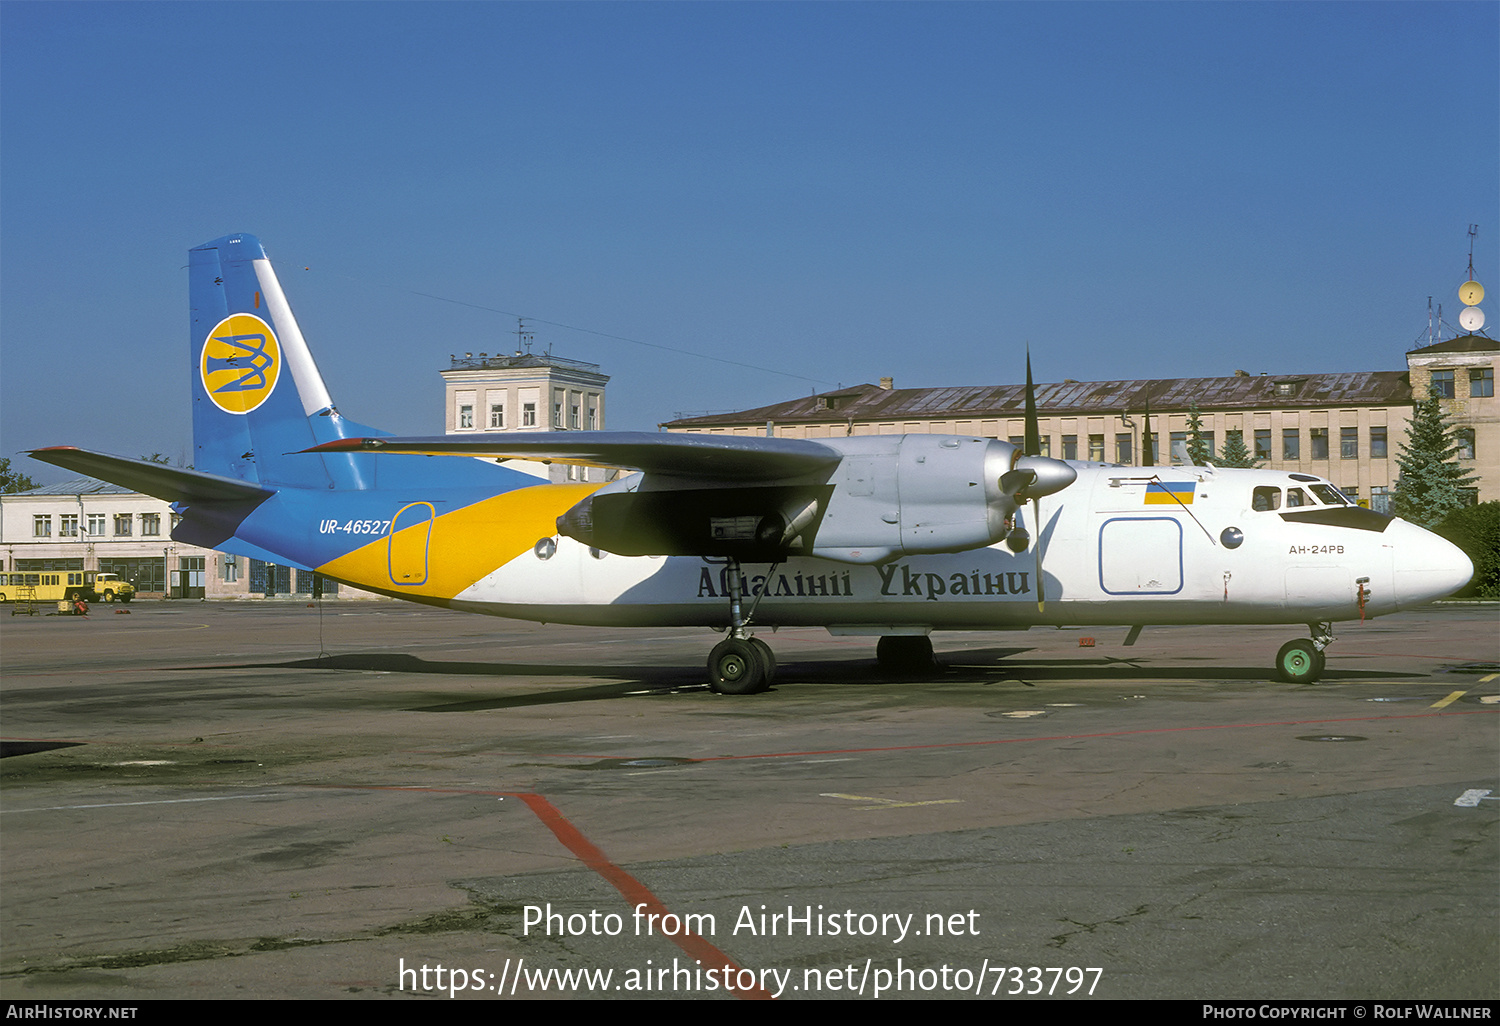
888 536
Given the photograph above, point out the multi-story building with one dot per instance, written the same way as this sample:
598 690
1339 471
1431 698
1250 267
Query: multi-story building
1348 428
86 524
525 392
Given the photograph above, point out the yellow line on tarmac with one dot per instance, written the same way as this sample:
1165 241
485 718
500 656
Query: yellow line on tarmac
888 803
1443 703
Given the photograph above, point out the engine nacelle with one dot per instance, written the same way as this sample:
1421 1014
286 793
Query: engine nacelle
918 494
889 496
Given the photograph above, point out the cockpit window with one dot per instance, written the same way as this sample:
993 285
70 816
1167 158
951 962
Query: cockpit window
1264 499
1297 497
1330 495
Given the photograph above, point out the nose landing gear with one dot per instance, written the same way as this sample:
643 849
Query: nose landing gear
1302 661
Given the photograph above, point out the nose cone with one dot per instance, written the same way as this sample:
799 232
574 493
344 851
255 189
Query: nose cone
1427 567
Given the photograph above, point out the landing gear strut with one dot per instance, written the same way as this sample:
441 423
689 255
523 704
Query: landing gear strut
740 664
1302 661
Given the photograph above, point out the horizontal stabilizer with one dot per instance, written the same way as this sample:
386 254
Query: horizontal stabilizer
702 456
158 479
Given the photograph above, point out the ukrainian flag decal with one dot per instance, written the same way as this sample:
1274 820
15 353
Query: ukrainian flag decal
1161 493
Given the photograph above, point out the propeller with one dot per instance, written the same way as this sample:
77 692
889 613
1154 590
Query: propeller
1033 449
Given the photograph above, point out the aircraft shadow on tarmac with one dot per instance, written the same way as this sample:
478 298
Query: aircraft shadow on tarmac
982 667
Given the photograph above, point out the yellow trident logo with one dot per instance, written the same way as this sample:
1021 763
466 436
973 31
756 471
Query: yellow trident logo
240 363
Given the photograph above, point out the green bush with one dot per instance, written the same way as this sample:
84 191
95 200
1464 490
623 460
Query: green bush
1476 530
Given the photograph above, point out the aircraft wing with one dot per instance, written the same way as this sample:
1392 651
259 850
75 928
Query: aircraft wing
720 457
171 483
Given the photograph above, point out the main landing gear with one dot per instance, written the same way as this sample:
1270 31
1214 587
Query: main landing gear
740 664
1302 661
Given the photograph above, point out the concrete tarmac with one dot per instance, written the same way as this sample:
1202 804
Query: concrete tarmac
275 800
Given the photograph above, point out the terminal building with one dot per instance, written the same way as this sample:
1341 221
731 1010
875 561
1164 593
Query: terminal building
1347 428
85 524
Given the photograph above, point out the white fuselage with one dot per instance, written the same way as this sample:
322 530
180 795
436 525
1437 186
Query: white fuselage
1121 545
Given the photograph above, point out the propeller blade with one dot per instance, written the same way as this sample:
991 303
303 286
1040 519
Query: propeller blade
1041 594
1033 446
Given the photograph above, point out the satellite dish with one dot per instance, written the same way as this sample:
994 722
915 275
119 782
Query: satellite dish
1471 293
1472 319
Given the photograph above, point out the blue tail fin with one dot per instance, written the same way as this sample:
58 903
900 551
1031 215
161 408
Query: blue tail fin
257 394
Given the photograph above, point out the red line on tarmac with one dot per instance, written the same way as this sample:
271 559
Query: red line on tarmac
631 889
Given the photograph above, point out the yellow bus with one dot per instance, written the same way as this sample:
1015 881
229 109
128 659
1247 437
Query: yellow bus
53 585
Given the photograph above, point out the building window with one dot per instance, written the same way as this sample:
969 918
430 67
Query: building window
1380 499
1481 382
1096 448
176 519
1291 444
96 525
1319 443
528 414
41 527
573 416
1070 447
593 415
1442 384
557 420
1352 494
1349 443
68 525
1124 449
1377 443
122 525
497 415
150 524
1151 446
1465 439
466 416
1263 444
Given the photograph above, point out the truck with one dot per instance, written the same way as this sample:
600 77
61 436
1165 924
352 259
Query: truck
47 586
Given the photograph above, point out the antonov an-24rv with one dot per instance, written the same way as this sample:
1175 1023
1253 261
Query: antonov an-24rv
890 536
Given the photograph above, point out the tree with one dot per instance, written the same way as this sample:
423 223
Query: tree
1234 453
13 480
1431 483
1476 530
1199 451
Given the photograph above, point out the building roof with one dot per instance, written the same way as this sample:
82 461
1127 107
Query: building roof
1461 344
80 486
1073 398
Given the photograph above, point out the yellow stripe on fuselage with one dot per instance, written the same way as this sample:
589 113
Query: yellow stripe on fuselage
465 544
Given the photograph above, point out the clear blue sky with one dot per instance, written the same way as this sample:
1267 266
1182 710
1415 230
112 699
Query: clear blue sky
829 192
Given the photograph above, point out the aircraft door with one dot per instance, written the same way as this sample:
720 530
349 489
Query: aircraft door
1140 556
407 544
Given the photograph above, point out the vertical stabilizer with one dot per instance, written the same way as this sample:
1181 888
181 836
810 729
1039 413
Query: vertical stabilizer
257 394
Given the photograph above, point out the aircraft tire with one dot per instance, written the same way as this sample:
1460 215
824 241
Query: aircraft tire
905 653
767 660
1299 662
735 667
